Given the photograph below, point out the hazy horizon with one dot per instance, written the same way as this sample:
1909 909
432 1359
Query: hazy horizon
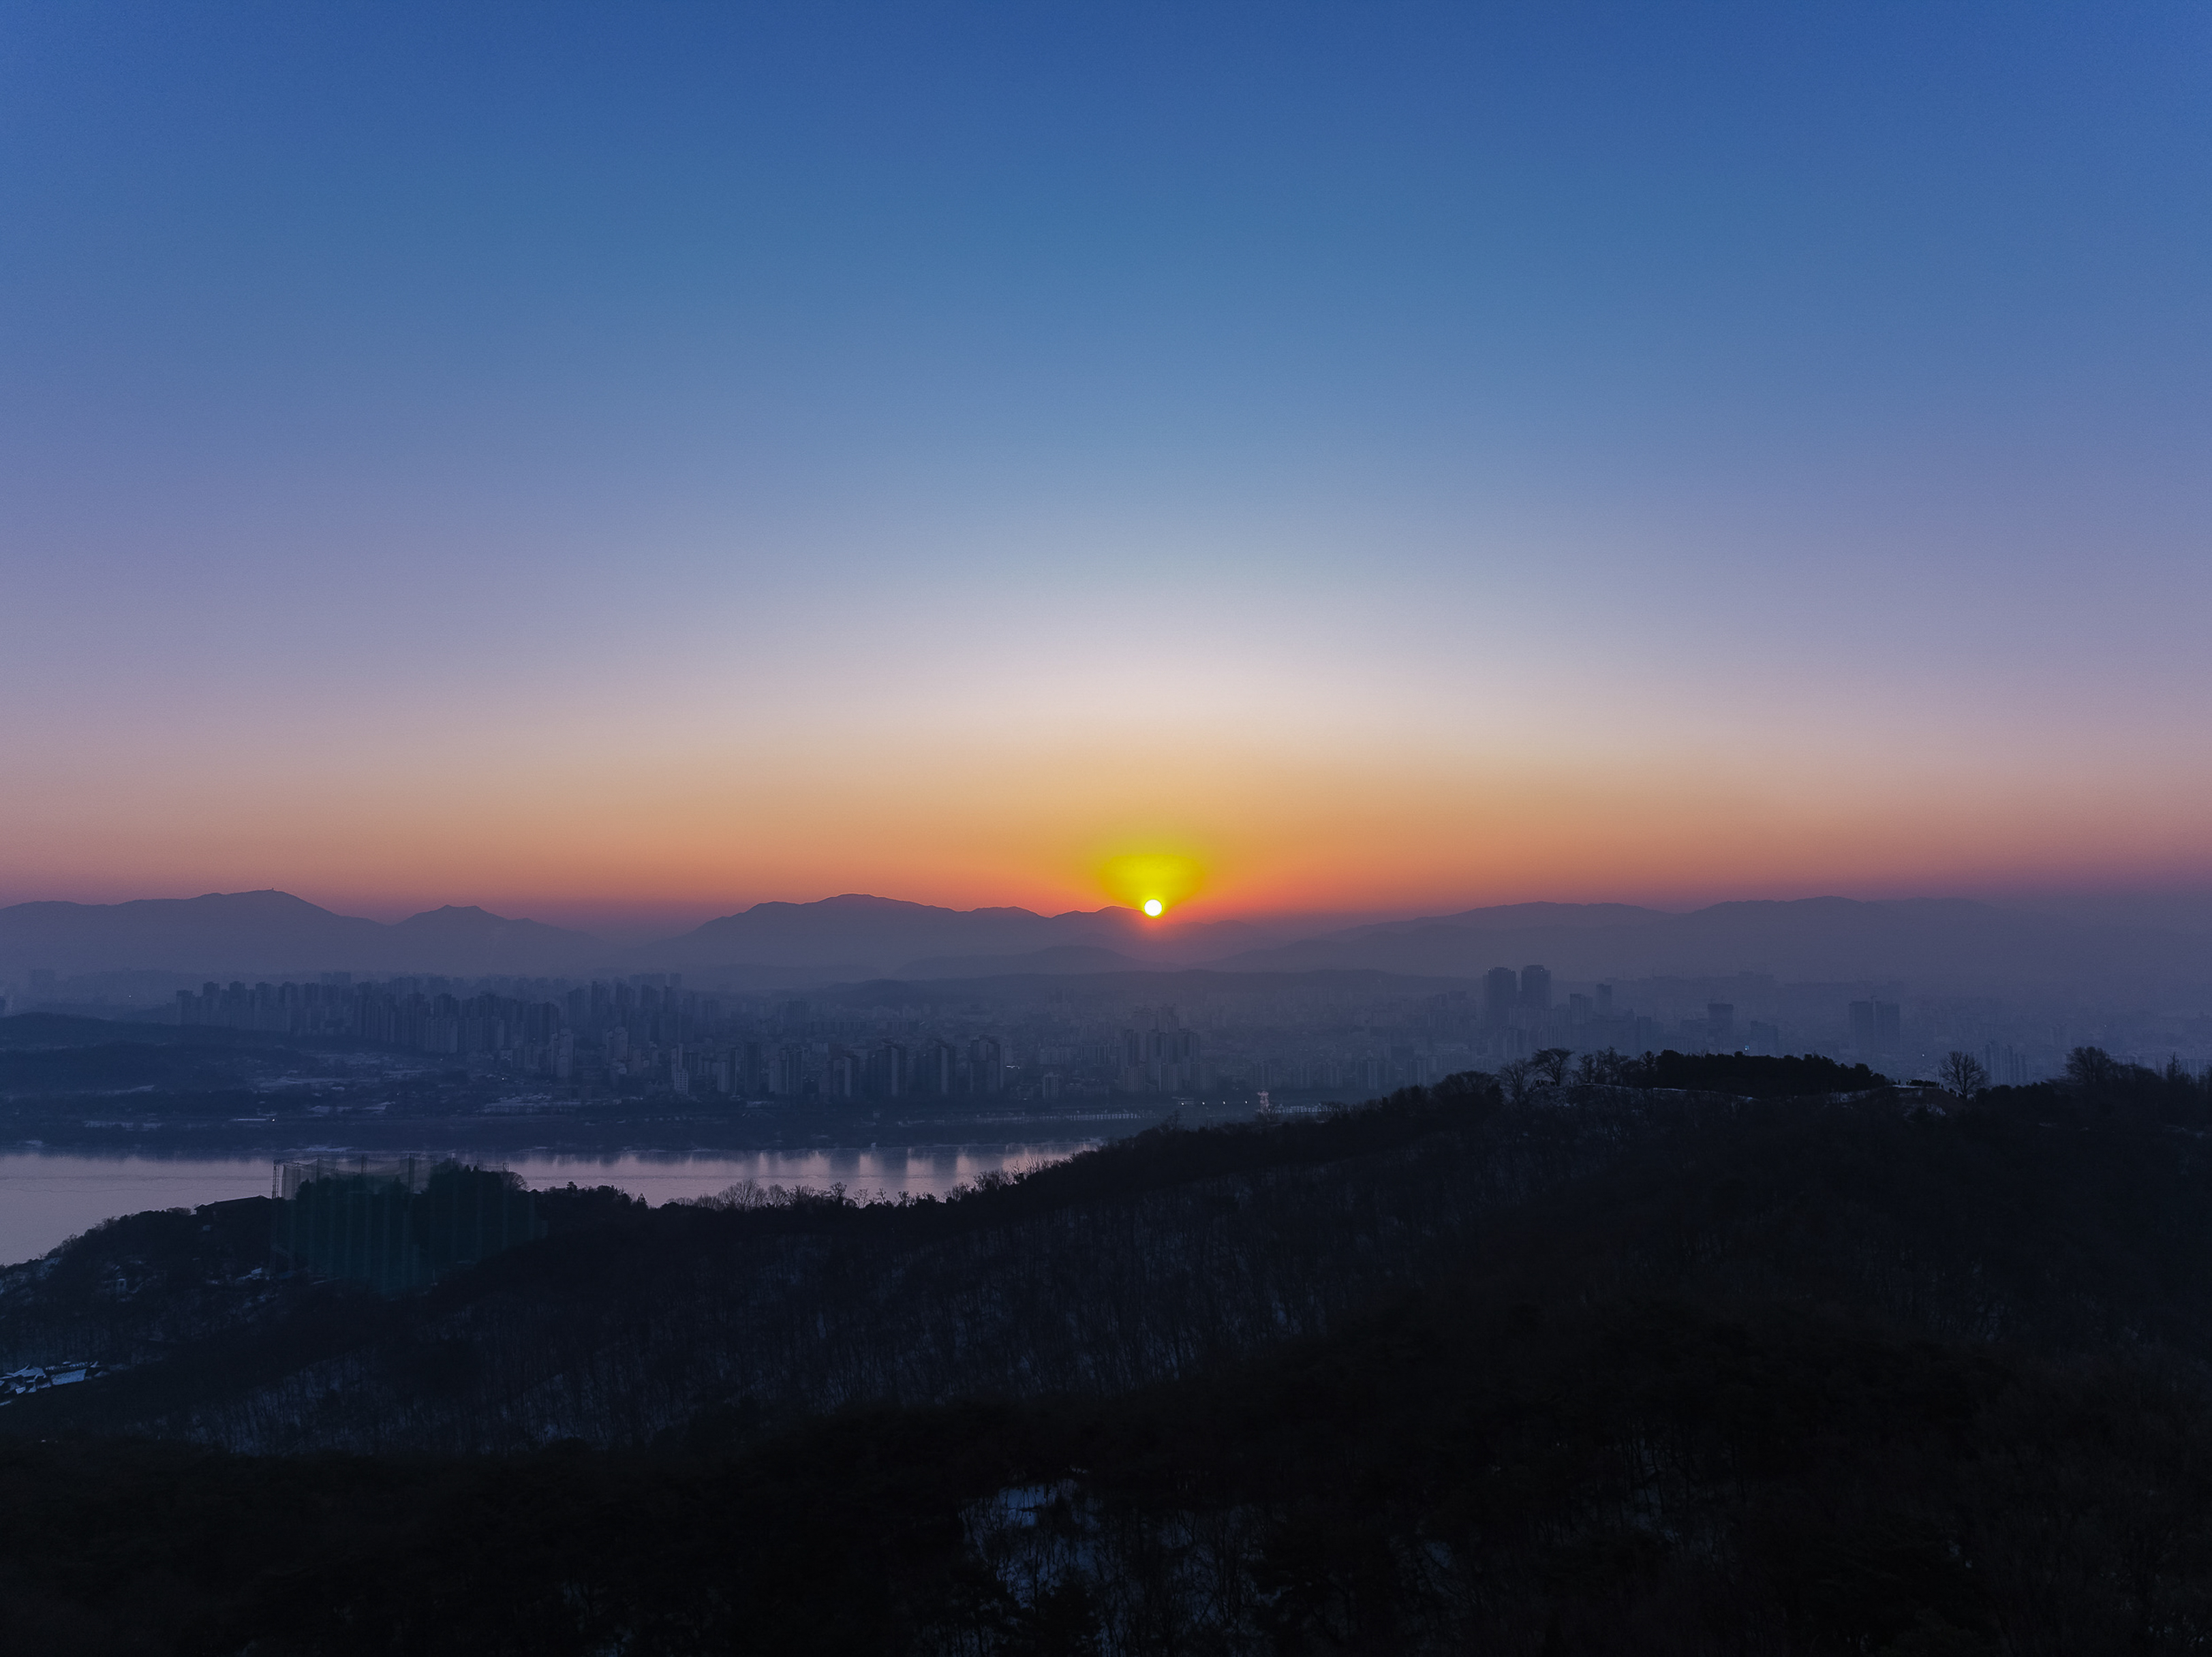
2186 907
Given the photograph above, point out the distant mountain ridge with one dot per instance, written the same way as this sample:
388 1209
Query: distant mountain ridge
1514 917
233 934
894 937
1932 944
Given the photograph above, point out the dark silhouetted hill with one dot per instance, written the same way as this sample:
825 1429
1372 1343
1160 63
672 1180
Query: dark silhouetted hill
1619 1371
50 1057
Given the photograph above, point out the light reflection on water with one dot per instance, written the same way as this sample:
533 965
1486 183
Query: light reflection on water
47 1197
871 1170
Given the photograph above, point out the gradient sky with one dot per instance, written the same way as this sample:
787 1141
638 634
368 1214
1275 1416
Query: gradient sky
596 461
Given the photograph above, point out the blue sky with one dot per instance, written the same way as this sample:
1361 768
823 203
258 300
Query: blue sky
1419 404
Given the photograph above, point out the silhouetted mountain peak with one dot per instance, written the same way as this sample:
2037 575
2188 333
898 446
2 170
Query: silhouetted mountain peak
470 916
227 933
267 899
890 933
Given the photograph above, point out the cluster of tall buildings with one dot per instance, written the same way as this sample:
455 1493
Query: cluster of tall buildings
1876 1025
1518 1000
647 1033
533 1034
937 1068
1159 1056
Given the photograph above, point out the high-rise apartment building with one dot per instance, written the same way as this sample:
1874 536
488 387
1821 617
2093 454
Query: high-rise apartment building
888 1076
937 1069
1876 1025
987 1065
1501 993
786 1076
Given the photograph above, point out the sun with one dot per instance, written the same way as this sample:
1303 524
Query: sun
1151 882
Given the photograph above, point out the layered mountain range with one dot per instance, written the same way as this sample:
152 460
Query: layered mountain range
1933 943
233 934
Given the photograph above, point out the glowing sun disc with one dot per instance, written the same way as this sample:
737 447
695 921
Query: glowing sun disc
1141 879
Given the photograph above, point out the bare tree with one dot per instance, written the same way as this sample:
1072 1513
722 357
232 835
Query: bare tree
1963 1074
2092 1069
1551 1063
1600 1067
1517 1078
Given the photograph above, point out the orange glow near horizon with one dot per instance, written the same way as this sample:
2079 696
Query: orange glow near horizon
1271 834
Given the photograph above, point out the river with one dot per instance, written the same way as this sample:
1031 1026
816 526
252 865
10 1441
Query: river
48 1196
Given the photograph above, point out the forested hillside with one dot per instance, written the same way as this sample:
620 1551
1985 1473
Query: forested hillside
1617 1370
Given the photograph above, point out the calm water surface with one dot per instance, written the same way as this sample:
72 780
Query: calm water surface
46 1197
